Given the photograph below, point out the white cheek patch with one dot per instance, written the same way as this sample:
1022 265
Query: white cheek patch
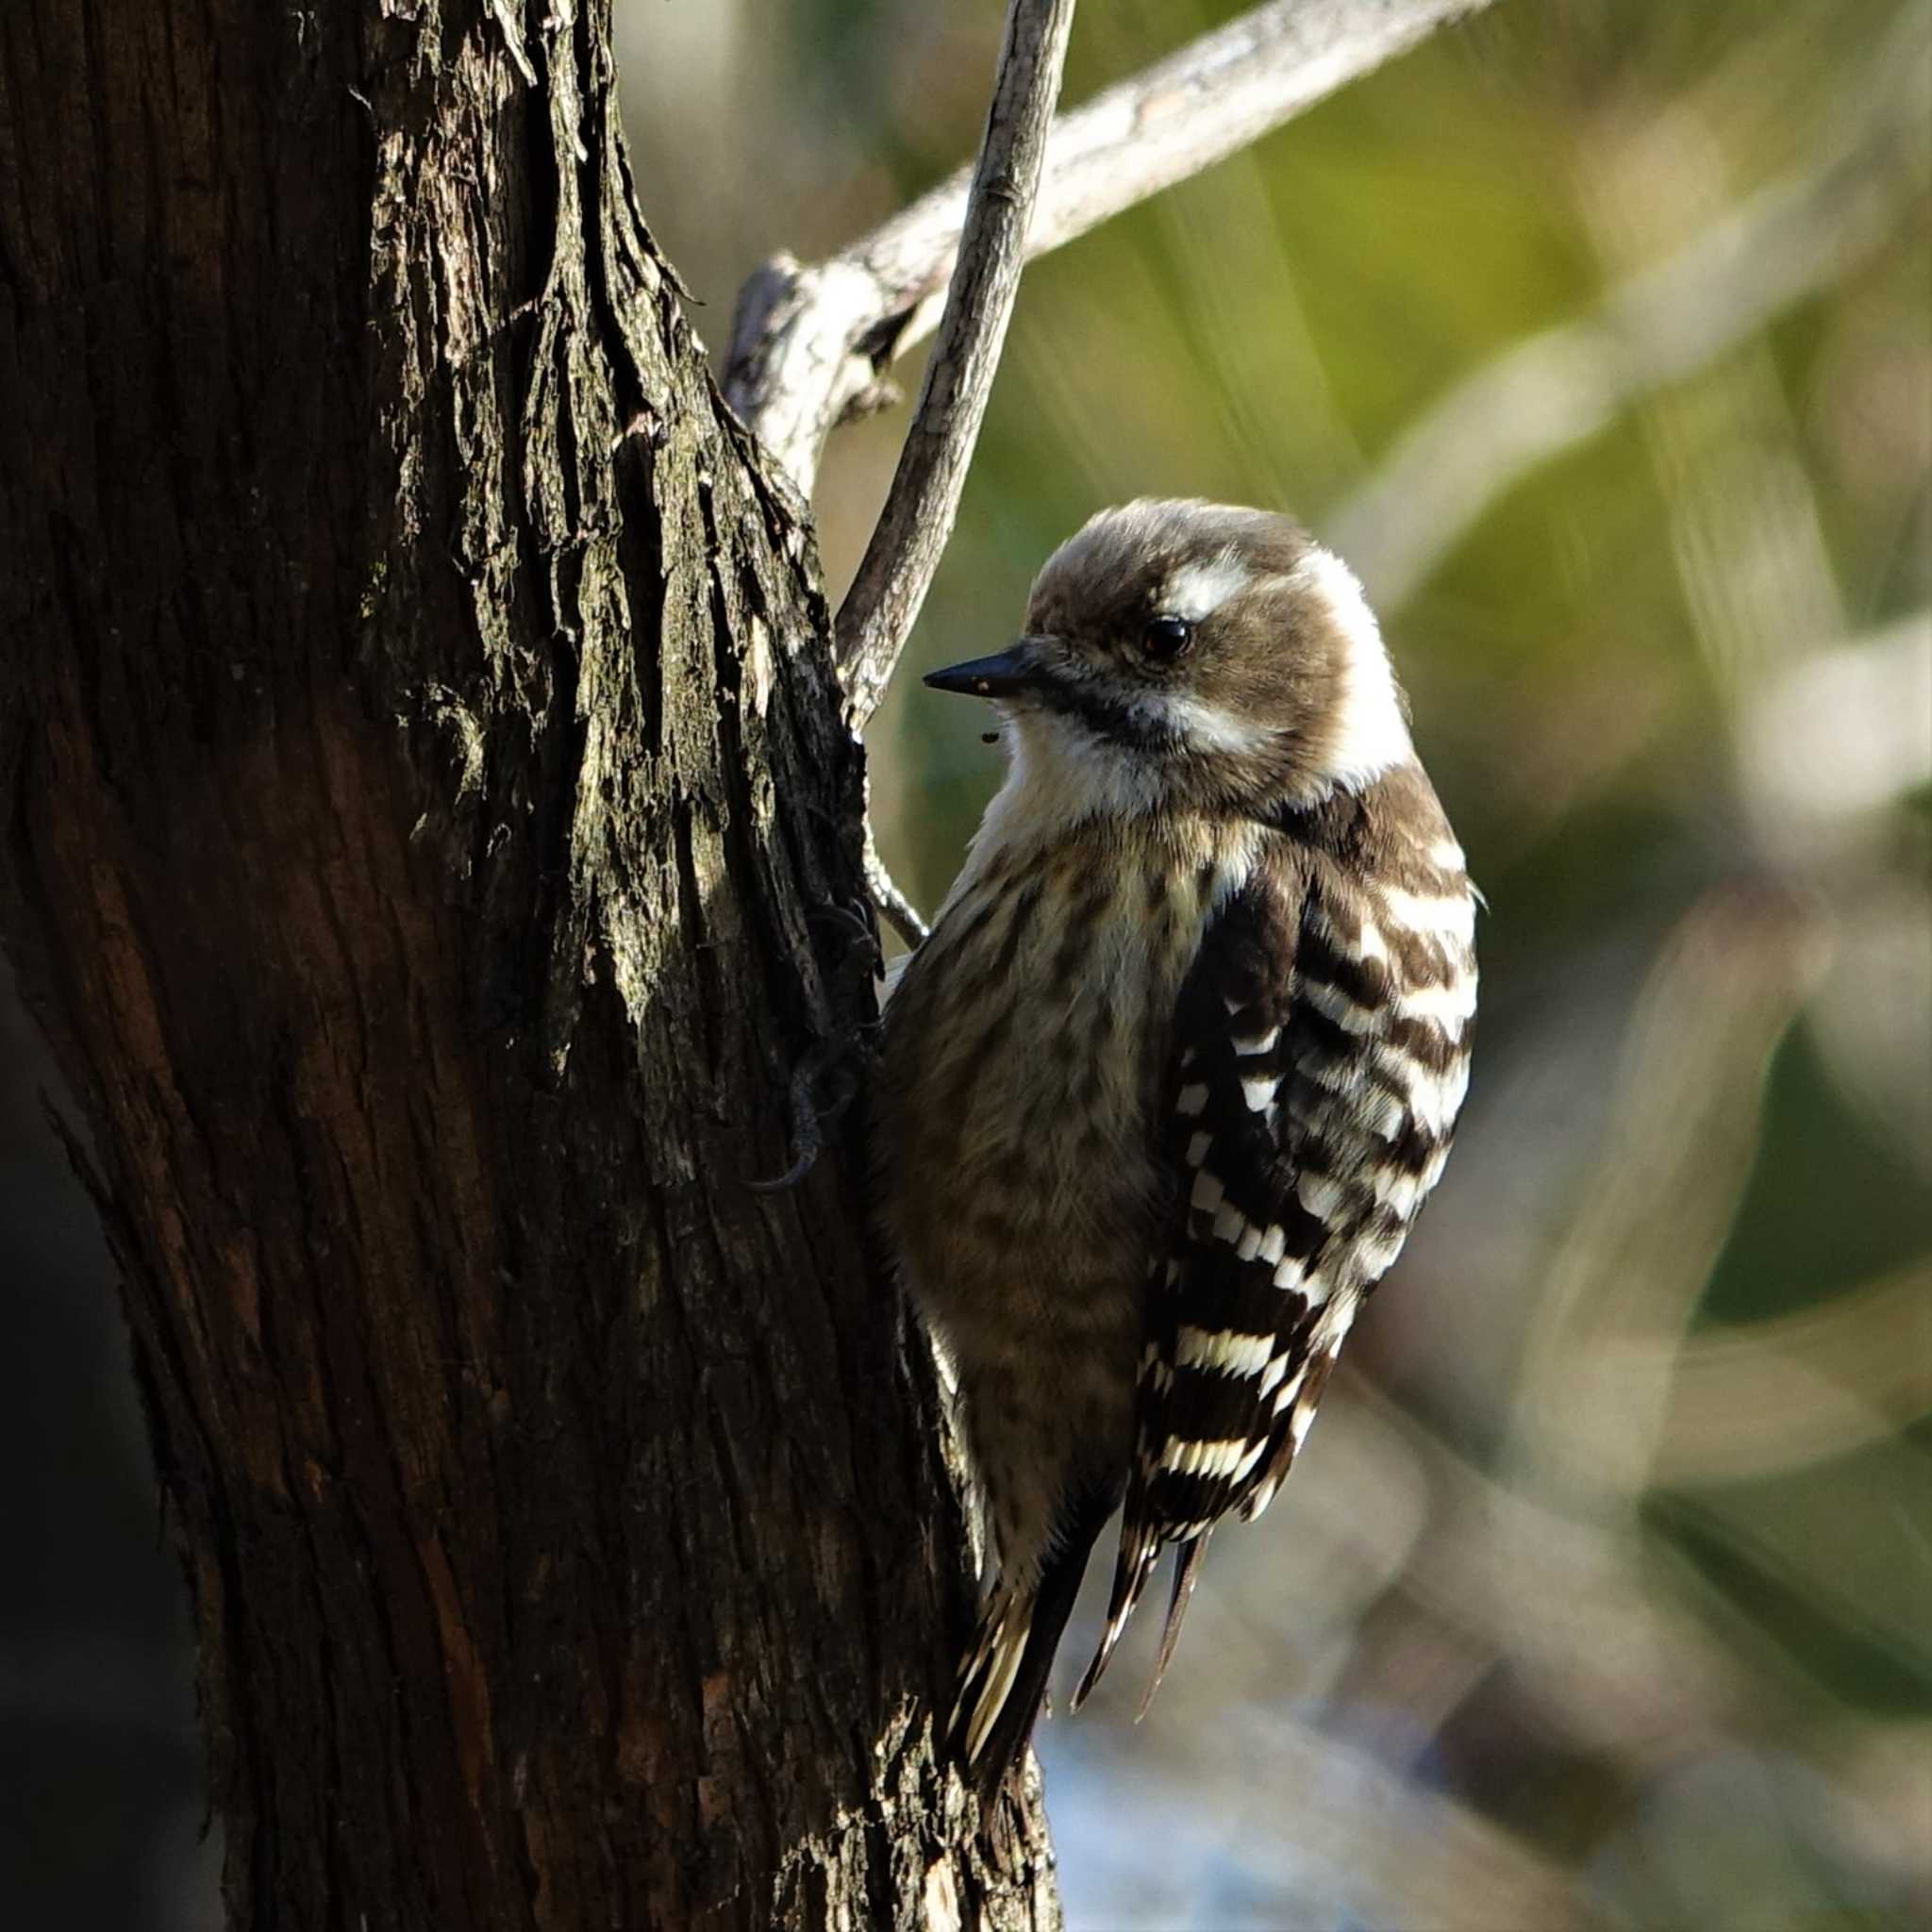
1199 589
1371 735
1201 727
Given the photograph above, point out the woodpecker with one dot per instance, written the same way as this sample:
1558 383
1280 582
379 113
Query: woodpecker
1160 1096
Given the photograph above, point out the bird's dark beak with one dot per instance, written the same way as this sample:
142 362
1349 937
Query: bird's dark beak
1005 675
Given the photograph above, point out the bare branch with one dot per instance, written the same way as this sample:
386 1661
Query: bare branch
899 563
901 913
1556 389
809 343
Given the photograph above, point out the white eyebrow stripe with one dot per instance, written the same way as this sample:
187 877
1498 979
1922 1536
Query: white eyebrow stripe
1199 589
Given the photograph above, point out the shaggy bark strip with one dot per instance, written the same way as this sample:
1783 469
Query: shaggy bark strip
422 770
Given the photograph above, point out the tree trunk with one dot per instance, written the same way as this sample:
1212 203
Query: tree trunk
421 772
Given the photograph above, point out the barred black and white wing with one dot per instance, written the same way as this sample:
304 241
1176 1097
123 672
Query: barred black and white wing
1321 1055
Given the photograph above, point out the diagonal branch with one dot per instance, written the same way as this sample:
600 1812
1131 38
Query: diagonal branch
906 543
809 344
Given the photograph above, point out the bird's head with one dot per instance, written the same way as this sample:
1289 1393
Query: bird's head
1189 654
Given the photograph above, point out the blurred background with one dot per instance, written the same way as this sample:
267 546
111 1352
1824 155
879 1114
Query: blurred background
1598 338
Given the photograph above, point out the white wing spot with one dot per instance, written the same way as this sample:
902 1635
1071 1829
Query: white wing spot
1208 1192
1374 1257
1274 1245
1203 1458
1448 916
1332 1001
1333 1328
1321 1196
1197 1149
1292 1389
1449 1005
1396 1191
1259 1501
1229 1222
1435 1099
1258 1092
1191 1100
1259 1043
1226 1355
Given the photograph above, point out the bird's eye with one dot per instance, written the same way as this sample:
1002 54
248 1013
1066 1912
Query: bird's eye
1166 637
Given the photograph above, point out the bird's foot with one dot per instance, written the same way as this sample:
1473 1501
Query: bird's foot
827 1080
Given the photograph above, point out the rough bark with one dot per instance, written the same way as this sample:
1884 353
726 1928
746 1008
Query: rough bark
420 767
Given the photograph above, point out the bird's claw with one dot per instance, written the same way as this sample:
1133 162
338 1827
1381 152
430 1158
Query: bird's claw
826 1081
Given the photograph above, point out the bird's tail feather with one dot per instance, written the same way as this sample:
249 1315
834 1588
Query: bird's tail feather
1003 1683
1187 1570
1139 1552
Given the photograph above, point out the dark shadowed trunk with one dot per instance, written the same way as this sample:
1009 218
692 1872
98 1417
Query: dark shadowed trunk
421 772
